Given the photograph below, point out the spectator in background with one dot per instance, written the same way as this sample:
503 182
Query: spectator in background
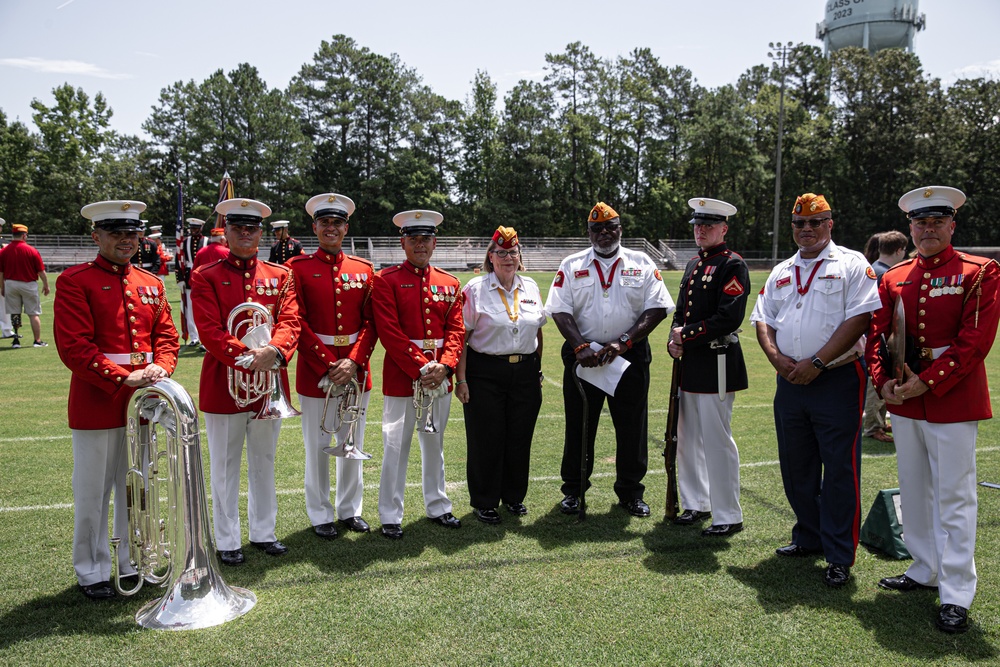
890 250
20 269
5 328
216 249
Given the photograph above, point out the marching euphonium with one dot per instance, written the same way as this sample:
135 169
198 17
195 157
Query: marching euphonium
349 411
423 403
196 595
247 388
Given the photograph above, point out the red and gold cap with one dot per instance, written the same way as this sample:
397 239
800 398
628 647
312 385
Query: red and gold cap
809 204
218 231
19 229
505 237
602 213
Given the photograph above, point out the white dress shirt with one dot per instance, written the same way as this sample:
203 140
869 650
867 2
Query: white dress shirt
491 329
604 315
843 286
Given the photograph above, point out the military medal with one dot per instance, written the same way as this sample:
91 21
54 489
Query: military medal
606 284
260 290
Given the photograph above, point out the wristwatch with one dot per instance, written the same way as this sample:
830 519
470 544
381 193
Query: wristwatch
449 371
818 363
625 340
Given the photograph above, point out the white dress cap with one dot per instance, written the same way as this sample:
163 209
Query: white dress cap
119 209
418 223
278 224
197 222
708 211
243 211
330 205
931 201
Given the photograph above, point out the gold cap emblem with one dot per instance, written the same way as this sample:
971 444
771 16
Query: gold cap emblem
126 206
244 203
331 198
418 215
701 202
928 192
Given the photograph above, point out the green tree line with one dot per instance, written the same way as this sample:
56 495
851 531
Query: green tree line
631 131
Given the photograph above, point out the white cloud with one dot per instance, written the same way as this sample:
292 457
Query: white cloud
63 67
987 70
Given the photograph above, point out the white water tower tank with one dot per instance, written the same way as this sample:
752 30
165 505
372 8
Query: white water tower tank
872 24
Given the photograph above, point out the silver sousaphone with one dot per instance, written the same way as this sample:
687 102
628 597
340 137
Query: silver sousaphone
196 595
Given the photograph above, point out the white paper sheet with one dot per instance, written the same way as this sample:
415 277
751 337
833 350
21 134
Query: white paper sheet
607 377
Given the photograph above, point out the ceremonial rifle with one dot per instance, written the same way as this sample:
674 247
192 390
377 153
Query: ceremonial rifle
670 440
583 442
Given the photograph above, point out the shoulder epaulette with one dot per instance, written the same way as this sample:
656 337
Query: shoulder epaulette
277 266
390 269
450 275
361 259
142 270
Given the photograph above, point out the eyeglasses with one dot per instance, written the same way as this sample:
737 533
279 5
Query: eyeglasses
606 226
813 224
506 253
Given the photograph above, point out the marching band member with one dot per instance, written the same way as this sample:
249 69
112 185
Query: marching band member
338 336
215 250
147 255
191 243
215 290
951 310
113 330
284 246
418 316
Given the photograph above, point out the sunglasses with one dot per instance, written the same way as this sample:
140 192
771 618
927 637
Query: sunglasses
599 227
813 224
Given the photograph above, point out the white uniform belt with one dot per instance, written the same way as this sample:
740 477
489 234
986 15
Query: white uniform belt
429 343
338 341
133 359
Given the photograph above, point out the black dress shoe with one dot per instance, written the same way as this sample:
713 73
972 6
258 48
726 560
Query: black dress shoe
569 505
326 530
836 575
904 583
356 524
517 509
102 590
688 517
953 619
722 529
795 551
488 515
635 507
234 557
272 548
392 530
446 520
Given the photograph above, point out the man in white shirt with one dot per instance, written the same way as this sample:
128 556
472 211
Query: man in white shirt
811 318
614 297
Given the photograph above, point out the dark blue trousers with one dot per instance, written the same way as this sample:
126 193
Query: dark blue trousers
819 447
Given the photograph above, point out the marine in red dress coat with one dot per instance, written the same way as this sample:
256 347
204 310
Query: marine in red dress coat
951 310
113 330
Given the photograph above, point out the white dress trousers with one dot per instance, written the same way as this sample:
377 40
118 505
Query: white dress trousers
226 434
708 463
937 489
350 483
398 418
5 327
99 465
189 313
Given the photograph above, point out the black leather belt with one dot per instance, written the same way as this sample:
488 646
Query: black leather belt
507 358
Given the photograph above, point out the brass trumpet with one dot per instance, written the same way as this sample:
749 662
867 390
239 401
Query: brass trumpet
196 595
349 411
248 388
423 403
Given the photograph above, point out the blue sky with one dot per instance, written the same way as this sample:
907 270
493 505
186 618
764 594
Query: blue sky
131 49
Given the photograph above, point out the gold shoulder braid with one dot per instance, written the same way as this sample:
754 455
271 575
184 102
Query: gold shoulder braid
977 287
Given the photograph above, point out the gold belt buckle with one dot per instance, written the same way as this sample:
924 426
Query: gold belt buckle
340 341
137 358
926 354
430 344
514 359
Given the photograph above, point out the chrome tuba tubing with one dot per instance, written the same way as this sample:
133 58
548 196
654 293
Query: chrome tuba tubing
196 595
423 403
349 411
248 388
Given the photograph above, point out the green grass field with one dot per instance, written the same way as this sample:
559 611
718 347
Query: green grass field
540 590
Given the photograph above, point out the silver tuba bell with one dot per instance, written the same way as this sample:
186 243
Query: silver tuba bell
247 388
349 411
196 595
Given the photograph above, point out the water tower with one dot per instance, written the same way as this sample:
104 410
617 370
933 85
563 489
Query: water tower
872 24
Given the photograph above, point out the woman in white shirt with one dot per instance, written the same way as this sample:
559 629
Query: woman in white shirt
499 378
